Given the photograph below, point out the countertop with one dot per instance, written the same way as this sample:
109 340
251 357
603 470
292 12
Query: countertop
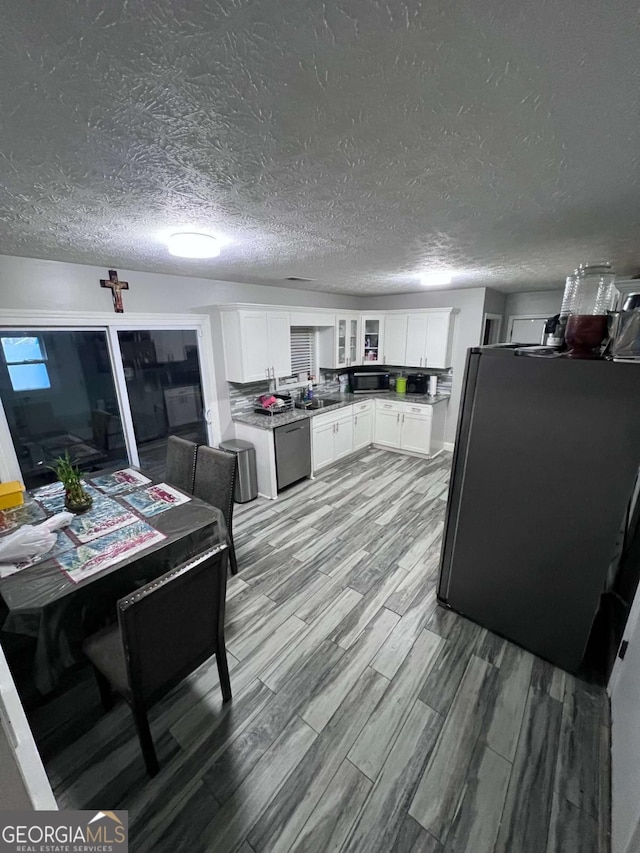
270 422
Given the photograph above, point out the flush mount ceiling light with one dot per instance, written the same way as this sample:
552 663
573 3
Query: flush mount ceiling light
432 279
193 244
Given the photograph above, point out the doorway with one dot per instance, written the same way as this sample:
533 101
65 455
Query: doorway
492 325
526 330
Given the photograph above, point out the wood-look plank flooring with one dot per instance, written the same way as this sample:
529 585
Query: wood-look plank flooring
364 718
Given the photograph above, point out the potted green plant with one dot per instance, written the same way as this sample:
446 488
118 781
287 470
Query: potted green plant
76 499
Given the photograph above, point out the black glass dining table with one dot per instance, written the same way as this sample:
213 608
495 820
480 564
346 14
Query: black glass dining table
73 590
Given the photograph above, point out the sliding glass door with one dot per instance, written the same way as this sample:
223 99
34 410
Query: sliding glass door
108 396
58 392
164 387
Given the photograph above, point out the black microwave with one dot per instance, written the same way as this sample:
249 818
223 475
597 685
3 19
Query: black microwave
366 383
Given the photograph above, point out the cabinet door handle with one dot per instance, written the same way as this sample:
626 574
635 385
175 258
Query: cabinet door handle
420 361
398 418
403 419
356 421
273 373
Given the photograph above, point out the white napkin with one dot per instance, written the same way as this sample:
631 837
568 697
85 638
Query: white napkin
30 541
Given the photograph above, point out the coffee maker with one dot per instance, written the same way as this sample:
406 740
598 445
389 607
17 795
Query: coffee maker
553 335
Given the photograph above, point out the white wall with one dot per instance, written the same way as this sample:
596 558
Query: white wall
27 283
549 302
467 331
545 302
625 740
494 301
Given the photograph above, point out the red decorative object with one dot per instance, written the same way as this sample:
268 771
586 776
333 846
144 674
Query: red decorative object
116 286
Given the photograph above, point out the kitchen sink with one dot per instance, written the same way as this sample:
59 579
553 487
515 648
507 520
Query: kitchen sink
317 403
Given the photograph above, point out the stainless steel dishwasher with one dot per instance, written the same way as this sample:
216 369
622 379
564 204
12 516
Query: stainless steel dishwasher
293 452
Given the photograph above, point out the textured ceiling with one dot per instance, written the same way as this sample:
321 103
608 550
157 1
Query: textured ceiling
355 142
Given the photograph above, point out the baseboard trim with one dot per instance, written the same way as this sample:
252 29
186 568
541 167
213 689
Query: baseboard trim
448 445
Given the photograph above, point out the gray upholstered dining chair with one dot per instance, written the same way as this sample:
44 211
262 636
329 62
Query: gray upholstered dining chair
165 630
181 463
215 483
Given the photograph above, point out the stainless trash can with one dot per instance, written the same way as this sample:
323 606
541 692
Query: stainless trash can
246 478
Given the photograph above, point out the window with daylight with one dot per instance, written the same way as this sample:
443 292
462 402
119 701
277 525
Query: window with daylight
26 359
303 350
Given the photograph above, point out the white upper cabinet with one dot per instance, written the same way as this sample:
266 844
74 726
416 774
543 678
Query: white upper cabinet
417 326
395 339
428 340
279 336
439 340
372 339
257 345
249 330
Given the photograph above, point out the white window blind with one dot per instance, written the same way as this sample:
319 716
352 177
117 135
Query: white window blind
303 346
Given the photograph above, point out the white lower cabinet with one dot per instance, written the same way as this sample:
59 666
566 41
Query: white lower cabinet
362 425
323 444
387 425
331 437
415 431
343 438
402 426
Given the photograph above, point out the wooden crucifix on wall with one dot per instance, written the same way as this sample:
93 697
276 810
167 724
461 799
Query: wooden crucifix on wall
116 286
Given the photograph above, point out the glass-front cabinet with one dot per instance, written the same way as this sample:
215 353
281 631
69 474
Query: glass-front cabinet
341 342
372 340
346 353
352 342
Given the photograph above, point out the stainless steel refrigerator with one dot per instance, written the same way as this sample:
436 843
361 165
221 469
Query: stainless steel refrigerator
545 462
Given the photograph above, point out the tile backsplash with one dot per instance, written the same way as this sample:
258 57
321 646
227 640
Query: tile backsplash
242 398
